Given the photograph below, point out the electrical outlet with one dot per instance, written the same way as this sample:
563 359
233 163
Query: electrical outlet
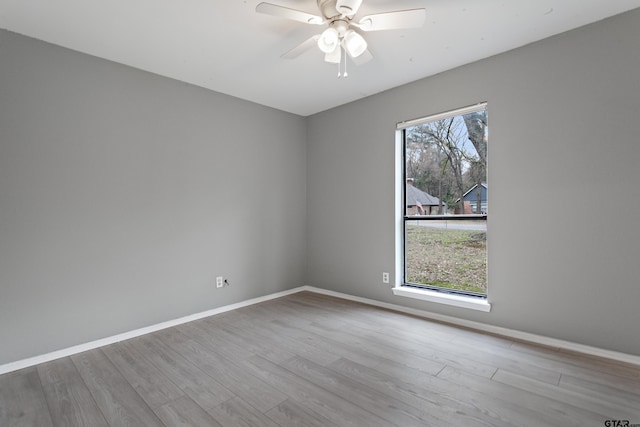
219 282
385 277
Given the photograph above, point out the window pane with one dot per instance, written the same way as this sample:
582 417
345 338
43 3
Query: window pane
446 167
445 164
447 254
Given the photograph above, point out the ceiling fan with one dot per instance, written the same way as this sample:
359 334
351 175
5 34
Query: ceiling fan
341 32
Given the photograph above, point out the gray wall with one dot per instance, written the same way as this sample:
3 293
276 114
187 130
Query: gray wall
564 171
123 194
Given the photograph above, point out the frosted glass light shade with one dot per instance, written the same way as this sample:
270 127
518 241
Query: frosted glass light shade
354 43
329 40
333 57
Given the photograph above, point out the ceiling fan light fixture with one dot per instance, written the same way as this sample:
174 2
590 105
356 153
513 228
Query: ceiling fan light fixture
334 56
354 43
348 7
329 40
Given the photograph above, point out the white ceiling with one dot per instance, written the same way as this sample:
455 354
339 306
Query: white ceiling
225 46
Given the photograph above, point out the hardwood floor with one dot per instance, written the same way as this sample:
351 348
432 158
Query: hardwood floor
313 360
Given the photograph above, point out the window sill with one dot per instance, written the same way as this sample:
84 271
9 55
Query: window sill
442 298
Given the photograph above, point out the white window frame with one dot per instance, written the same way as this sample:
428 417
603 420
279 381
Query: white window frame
403 289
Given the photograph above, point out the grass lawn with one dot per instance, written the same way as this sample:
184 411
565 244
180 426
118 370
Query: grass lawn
454 259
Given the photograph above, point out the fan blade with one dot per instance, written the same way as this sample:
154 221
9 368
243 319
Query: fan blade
302 47
412 18
285 12
362 58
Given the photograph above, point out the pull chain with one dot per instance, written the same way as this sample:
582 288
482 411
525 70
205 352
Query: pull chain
345 65
345 74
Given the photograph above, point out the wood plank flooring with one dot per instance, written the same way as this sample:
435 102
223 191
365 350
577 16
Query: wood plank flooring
313 360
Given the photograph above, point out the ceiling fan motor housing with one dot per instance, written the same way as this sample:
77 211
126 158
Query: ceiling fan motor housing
348 7
335 8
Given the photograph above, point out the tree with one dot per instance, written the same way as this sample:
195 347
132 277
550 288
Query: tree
441 161
447 136
477 131
424 164
476 124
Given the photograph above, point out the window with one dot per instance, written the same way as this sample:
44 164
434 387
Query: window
444 203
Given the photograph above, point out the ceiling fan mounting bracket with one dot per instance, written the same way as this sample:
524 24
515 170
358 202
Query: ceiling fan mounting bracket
341 25
328 9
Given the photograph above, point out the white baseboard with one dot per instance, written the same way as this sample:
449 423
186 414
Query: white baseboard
31 361
498 330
